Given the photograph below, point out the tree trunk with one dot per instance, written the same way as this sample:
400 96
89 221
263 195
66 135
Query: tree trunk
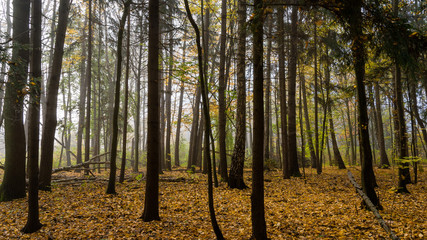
111 189
235 179
282 82
13 185
33 222
221 95
208 130
50 121
307 123
151 204
181 98
337 154
267 102
169 100
292 129
358 53
88 85
384 163
125 104
259 228
404 175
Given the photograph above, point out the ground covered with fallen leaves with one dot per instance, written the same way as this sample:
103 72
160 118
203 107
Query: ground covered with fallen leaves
322 206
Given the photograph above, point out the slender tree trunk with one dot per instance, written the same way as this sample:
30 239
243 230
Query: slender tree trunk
307 122
33 222
384 163
151 203
404 175
111 189
205 102
82 98
138 103
292 130
221 96
282 82
169 100
337 154
235 179
181 98
316 108
50 121
267 102
88 86
350 130
125 104
13 184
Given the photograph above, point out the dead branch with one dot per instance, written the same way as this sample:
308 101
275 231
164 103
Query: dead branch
75 167
371 206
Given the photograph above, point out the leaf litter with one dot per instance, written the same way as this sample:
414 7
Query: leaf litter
321 207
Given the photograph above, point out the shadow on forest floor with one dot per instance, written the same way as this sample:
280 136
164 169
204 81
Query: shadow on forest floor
326 206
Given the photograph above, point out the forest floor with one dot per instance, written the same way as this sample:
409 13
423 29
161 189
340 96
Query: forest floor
322 206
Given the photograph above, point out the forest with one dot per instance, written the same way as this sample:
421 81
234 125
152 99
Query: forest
213 119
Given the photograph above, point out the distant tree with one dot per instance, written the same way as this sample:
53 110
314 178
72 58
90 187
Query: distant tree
13 185
33 223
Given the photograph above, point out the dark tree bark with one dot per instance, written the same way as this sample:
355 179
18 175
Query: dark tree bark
50 121
283 107
13 185
125 110
267 103
316 159
402 140
259 228
151 204
337 154
350 130
221 95
208 129
138 102
33 222
384 163
354 19
235 179
192 151
111 189
307 122
292 129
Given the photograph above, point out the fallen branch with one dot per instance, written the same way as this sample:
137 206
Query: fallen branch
75 167
371 206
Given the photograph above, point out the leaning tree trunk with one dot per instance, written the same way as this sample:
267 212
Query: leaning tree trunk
208 129
50 121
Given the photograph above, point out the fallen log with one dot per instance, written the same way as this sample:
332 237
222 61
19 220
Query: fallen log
75 167
371 206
